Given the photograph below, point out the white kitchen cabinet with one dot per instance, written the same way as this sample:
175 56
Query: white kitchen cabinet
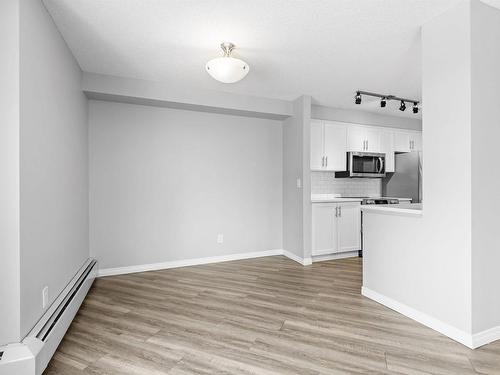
324 229
336 228
407 141
349 227
356 140
328 146
387 147
335 147
317 154
363 139
330 142
416 138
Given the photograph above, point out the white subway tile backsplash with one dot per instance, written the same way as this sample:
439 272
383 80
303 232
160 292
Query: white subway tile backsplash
326 183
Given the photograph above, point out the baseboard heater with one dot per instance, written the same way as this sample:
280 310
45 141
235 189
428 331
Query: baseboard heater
32 355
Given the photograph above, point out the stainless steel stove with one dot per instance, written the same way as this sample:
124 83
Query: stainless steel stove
381 200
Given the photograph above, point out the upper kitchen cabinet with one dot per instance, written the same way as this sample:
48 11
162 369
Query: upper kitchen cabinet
417 141
328 146
317 145
363 139
387 147
407 141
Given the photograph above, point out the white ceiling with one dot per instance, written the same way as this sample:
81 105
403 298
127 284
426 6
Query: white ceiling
323 48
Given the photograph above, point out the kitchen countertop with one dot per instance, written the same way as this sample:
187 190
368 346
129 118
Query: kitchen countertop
333 198
409 209
337 198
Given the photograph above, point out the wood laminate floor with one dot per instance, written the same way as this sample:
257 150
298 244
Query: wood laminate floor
259 316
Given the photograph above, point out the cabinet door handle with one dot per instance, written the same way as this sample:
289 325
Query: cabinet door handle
336 211
340 211
322 161
326 161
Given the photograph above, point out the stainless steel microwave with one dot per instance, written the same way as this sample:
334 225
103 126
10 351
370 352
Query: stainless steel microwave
364 164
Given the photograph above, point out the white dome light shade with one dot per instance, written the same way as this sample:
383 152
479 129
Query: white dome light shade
227 69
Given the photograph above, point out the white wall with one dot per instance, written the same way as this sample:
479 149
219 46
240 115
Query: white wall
165 182
9 172
364 118
54 163
447 180
485 178
445 264
424 263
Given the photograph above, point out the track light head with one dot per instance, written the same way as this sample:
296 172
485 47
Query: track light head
358 98
383 103
402 107
415 107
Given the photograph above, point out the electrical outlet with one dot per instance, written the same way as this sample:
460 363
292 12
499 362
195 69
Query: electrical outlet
220 238
45 297
299 183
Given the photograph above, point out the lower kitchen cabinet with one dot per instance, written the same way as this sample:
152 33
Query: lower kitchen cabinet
336 228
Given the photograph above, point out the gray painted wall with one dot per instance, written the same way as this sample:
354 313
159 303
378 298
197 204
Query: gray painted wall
485 180
137 91
293 153
53 164
165 182
364 118
9 172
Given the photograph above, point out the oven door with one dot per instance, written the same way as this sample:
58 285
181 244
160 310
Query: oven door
365 164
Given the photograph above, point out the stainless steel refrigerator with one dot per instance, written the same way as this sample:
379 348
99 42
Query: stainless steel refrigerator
406 181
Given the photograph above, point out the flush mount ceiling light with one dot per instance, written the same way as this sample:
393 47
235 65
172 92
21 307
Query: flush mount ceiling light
227 69
384 98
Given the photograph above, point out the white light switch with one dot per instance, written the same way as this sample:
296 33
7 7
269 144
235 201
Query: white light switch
45 297
220 238
299 183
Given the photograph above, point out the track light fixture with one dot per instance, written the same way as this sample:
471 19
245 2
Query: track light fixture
415 107
358 98
384 98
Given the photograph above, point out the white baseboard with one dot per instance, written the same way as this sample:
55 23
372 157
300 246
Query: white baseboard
292 256
200 261
32 355
348 254
485 337
187 262
427 320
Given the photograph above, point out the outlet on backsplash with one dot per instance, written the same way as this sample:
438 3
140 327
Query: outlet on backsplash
326 183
